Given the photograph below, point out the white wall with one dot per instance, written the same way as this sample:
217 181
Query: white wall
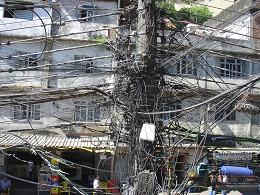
70 12
77 79
20 78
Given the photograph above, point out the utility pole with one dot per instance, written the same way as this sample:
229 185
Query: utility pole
146 30
148 82
145 50
139 87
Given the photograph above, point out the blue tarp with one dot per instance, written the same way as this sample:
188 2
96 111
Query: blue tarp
236 171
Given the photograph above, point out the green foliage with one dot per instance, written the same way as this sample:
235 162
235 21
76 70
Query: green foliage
99 39
194 14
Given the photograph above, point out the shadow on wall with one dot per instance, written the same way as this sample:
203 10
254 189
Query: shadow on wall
224 129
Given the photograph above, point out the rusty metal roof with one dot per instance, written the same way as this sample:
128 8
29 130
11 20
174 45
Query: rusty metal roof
46 141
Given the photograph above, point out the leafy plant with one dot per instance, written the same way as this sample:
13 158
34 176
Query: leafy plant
194 14
99 39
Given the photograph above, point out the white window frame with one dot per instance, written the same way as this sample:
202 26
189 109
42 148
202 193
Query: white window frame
185 66
88 11
231 68
85 66
87 112
25 112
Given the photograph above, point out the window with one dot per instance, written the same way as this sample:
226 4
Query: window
85 66
255 119
86 13
185 66
168 104
24 112
230 67
226 113
87 112
86 10
12 11
28 61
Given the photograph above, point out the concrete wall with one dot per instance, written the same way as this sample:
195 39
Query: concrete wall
20 78
216 6
194 121
73 78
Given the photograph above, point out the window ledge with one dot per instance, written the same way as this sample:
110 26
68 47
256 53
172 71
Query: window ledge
25 121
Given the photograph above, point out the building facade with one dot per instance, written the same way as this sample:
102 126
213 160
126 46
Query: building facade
58 46
226 57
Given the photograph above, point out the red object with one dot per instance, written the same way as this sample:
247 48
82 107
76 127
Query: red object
113 185
55 182
55 178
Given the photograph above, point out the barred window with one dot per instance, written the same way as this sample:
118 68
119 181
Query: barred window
185 66
28 61
85 66
24 112
87 10
168 104
230 67
25 13
87 112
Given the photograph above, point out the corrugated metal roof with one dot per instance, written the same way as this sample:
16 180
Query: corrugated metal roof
44 141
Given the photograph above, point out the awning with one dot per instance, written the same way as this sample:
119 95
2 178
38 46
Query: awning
59 142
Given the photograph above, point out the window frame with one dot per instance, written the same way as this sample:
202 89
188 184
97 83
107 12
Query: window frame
86 13
185 66
9 11
85 67
28 61
167 104
91 110
229 69
27 112
226 114
87 10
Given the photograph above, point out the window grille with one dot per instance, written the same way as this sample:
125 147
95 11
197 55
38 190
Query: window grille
24 112
87 112
231 67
